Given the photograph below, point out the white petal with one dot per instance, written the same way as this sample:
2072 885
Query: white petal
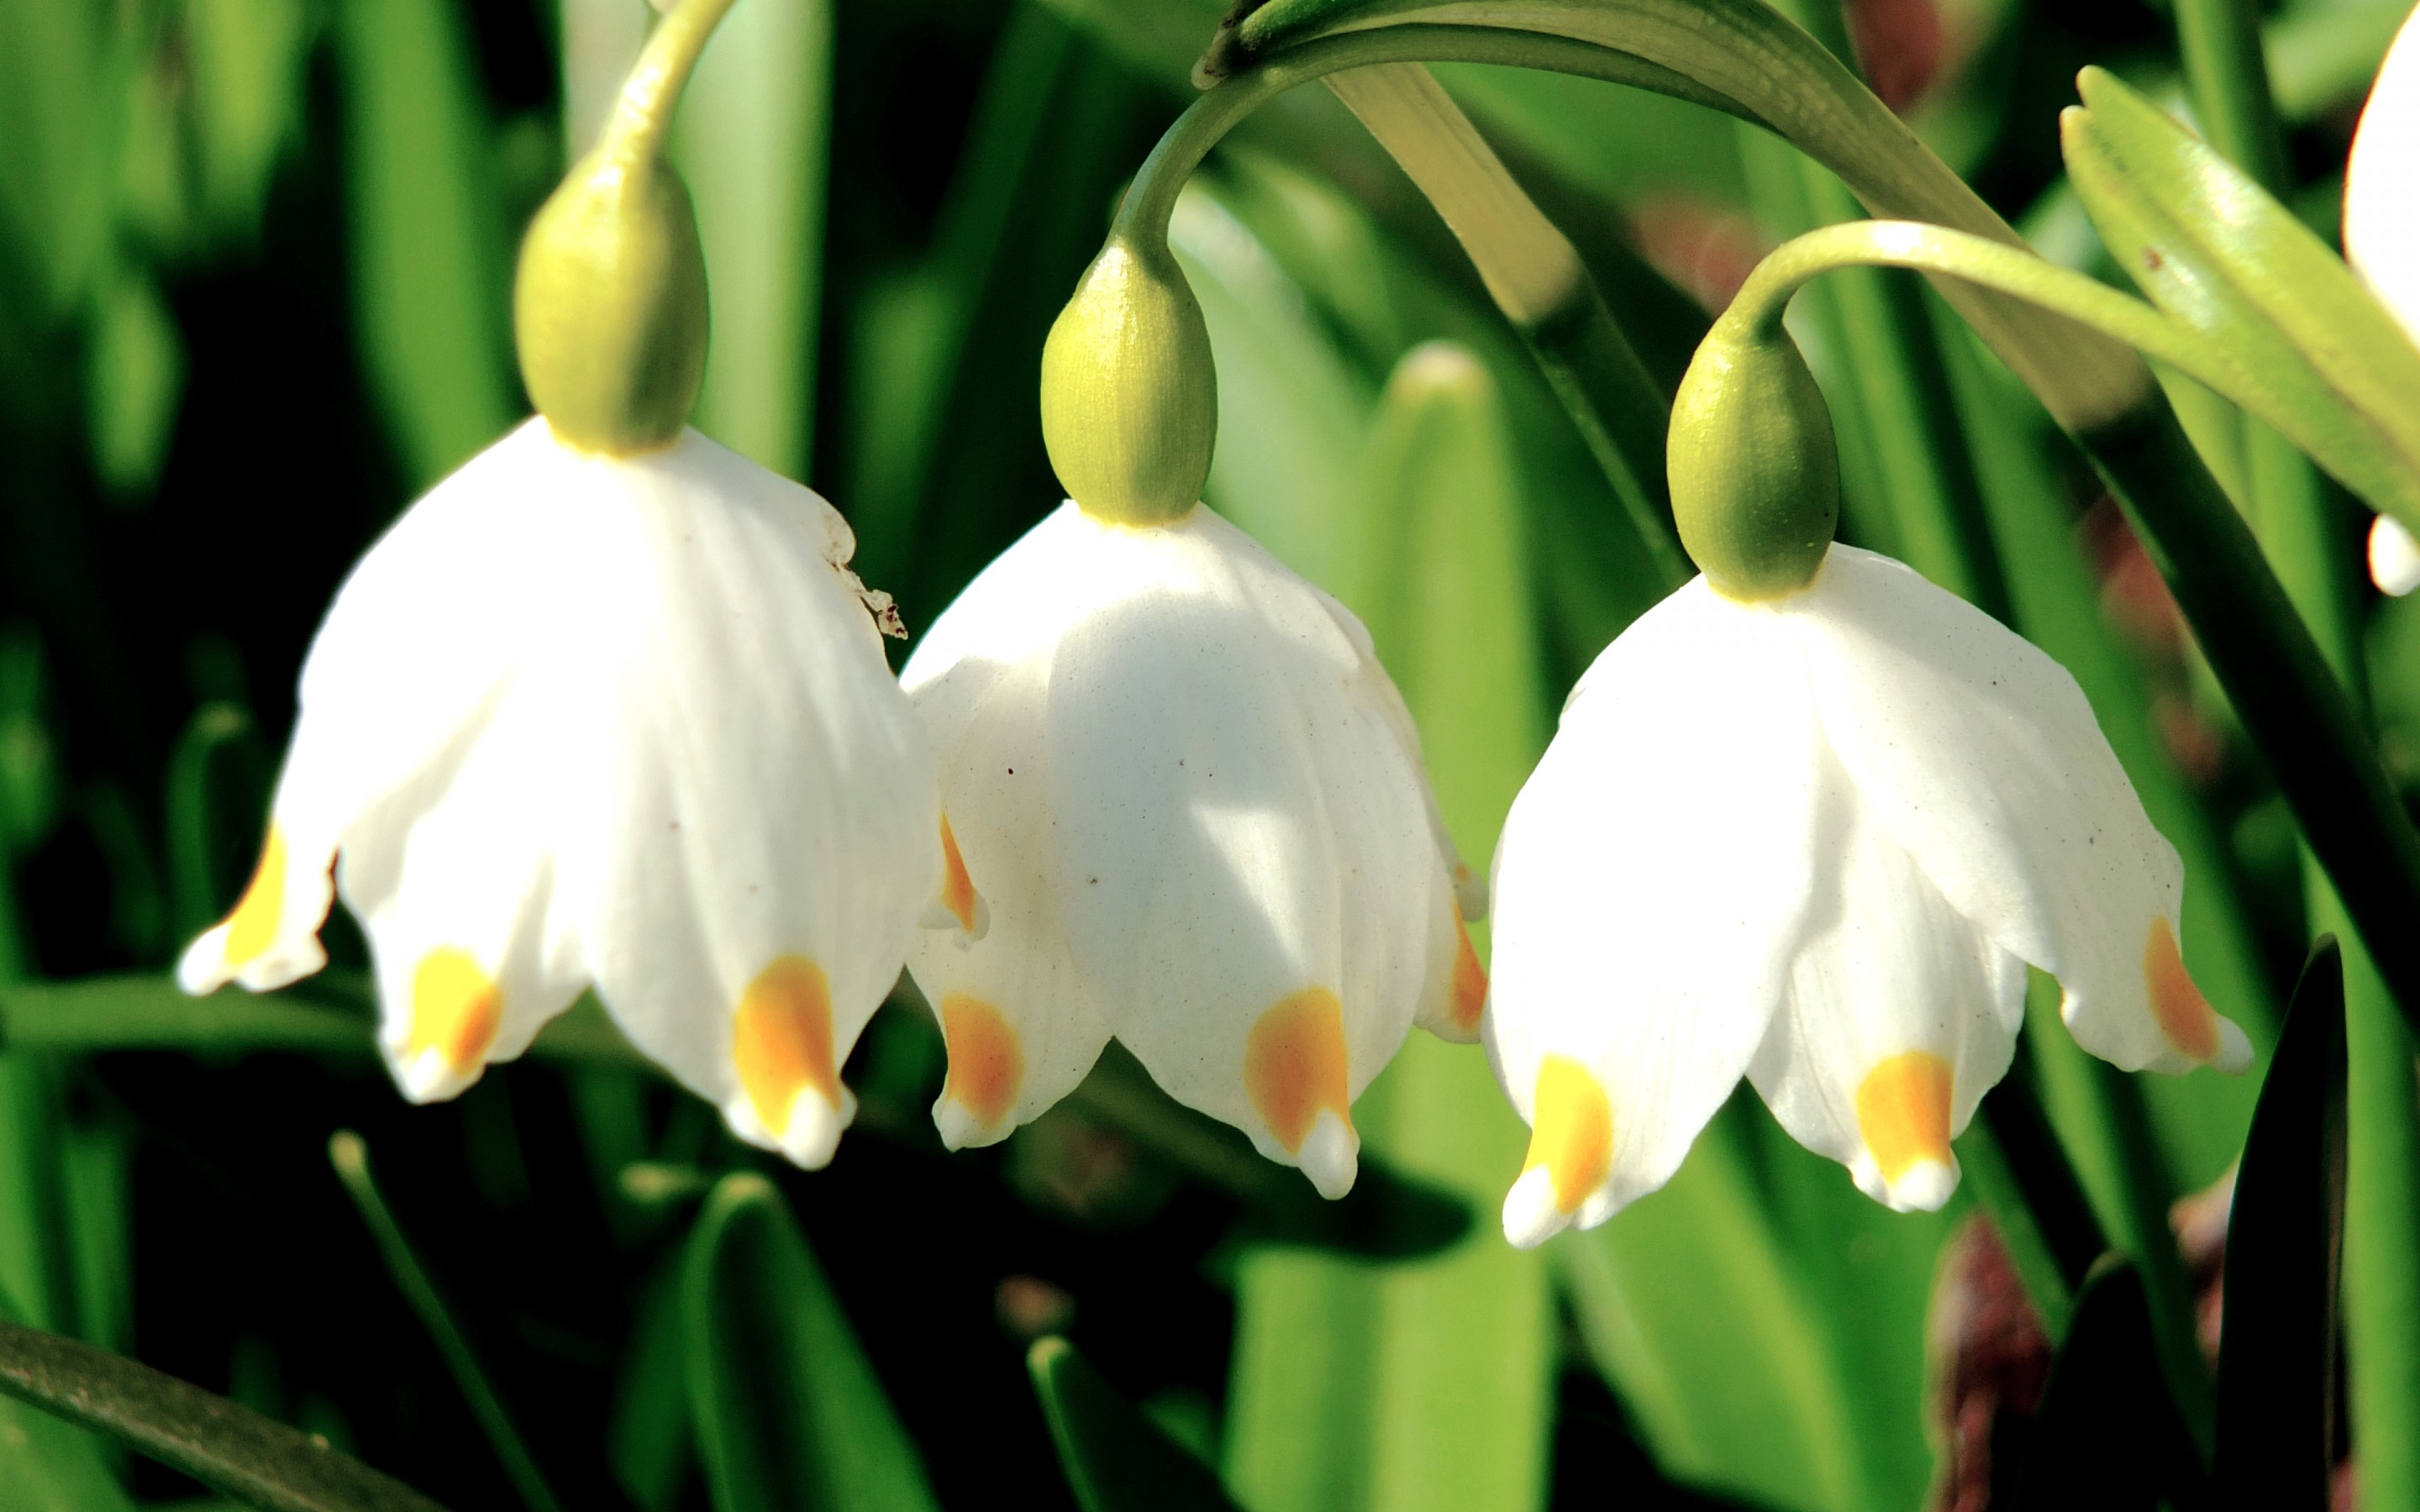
401 675
2382 215
1899 1014
2394 557
1251 879
1649 886
1016 1016
774 831
1980 757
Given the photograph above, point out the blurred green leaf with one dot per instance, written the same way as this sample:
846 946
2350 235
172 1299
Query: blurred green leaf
430 278
2106 1434
134 378
231 1448
2217 252
1291 411
1158 38
750 140
650 1445
29 773
56 184
2277 1356
1116 1458
246 59
788 1412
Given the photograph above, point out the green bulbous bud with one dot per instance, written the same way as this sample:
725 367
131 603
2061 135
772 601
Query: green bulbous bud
1129 394
1756 477
610 308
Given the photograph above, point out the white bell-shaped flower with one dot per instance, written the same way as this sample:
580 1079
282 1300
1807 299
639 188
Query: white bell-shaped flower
1815 841
2382 241
623 721
1182 804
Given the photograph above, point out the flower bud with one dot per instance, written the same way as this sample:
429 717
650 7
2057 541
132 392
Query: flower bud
1756 479
1129 394
609 304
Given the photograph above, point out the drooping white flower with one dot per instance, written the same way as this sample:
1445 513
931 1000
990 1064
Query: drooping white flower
2382 241
1816 841
623 721
1182 804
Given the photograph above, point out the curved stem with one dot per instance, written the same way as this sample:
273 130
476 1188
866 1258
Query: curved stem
2003 269
644 112
1150 200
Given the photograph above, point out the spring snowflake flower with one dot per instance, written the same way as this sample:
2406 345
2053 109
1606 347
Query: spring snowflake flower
615 720
1183 806
2382 241
1815 841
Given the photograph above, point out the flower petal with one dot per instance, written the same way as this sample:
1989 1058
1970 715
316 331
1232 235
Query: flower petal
773 830
1899 1014
1243 838
1980 757
1649 886
1019 1024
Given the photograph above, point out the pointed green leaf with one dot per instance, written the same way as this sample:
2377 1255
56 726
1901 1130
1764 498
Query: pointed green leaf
234 1449
2276 1362
788 1412
1116 1458
2318 356
2107 1435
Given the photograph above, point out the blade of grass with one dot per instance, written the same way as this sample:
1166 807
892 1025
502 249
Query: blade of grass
789 1412
2276 1364
350 1154
1116 1458
234 1449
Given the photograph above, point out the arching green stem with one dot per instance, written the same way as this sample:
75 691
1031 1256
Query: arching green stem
2280 684
1143 214
643 111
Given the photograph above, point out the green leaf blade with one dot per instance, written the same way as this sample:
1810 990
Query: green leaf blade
2276 1366
1116 1458
788 1411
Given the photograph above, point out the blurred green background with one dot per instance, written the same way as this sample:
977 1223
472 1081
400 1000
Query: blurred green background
254 272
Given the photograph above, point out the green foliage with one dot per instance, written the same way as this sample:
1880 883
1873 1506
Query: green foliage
788 1412
2278 1359
1117 1459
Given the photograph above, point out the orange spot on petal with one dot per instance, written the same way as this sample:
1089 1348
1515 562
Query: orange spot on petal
1903 1111
455 1010
2183 1013
1571 1131
1468 997
1294 1065
986 1062
252 928
782 1040
957 888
